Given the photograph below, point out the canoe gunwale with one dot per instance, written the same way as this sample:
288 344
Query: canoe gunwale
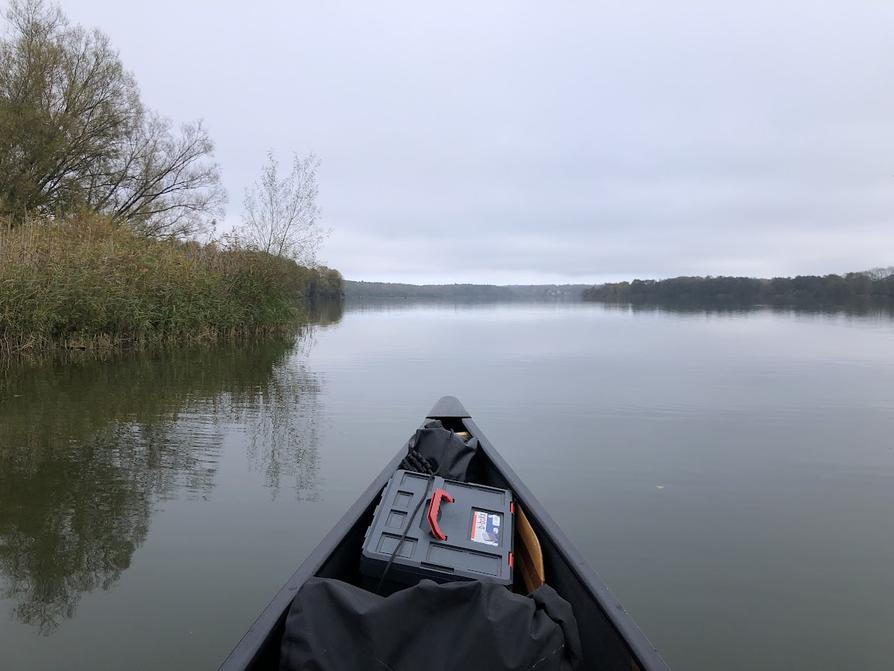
641 648
254 641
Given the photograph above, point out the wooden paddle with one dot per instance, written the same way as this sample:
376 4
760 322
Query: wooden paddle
528 555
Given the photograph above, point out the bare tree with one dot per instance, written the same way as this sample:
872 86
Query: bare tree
879 273
74 133
161 183
281 212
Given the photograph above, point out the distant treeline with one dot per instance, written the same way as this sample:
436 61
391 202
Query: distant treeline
804 290
483 292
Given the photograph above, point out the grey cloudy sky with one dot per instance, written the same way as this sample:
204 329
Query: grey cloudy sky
547 141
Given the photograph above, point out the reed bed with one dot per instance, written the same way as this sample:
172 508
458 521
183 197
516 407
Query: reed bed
84 283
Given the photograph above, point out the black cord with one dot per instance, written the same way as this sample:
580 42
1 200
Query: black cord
416 462
403 536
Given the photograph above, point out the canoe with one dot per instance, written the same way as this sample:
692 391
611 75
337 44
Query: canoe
611 639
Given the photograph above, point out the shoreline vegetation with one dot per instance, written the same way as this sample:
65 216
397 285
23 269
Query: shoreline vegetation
860 289
86 283
873 287
103 202
358 290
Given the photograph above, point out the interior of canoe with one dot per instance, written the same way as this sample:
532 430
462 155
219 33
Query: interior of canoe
606 644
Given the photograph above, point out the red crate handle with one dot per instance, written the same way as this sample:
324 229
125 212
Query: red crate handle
433 509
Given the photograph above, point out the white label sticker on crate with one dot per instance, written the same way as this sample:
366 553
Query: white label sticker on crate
486 527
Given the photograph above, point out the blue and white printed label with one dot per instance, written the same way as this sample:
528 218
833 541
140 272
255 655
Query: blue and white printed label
486 527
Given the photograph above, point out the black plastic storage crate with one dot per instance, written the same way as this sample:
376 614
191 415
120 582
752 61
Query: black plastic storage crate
462 531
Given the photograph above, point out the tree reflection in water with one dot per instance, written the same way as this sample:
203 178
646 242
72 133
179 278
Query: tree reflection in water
87 449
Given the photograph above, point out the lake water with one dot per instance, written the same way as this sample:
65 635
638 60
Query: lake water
730 475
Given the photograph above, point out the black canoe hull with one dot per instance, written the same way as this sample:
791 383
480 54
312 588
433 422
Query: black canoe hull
611 639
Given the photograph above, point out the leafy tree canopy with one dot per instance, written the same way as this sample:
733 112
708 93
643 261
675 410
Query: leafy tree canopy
75 135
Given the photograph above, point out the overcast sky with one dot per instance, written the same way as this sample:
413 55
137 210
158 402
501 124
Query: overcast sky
546 141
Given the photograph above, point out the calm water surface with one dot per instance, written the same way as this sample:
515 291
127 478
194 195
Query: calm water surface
731 475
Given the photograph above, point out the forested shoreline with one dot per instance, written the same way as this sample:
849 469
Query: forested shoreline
804 290
357 290
109 210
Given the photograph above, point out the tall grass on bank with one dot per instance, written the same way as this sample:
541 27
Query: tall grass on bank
86 283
